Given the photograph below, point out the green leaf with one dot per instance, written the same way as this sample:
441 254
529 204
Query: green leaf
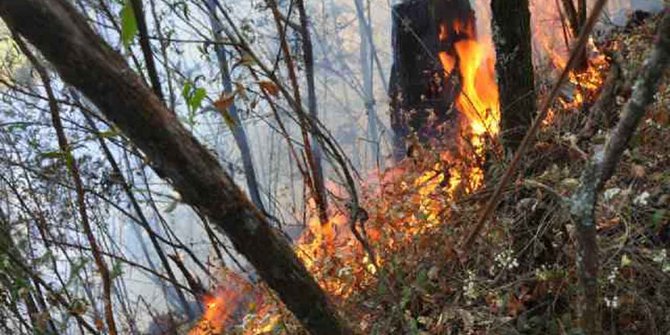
196 99
128 24
186 90
54 154
117 270
193 95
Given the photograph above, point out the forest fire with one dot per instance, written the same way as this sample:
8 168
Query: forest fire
331 252
552 38
482 167
425 190
477 100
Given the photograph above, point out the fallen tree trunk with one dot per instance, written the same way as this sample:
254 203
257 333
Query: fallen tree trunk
85 61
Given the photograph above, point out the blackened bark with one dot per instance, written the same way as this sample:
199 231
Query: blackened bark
419 87
577 19
571 14
514 68
85 61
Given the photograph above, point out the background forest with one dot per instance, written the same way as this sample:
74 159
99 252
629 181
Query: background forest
334 167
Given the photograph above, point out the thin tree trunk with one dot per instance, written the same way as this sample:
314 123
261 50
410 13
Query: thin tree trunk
367 59
237 128
573 17
143 222
303 122
365 29
59 31
576 16
315 162
514 68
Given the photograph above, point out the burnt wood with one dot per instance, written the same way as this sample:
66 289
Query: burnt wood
421 92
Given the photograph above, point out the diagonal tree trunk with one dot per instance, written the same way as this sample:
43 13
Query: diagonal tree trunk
85 61
600 169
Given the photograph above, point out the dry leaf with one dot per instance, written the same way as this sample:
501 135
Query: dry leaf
269 87
239 89
637 171
99 324
223 105
224 102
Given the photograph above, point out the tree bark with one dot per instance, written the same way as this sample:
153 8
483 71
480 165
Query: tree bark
85 61
514 67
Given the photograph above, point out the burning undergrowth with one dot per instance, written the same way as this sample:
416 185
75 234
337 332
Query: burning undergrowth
520 276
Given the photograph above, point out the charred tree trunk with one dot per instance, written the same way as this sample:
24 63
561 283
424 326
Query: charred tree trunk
420 88
514 67
85 61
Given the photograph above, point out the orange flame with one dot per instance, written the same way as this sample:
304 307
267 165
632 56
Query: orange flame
478 98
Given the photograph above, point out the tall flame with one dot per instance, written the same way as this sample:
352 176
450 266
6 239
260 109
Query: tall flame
478 97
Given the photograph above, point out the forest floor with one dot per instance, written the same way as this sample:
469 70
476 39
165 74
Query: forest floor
520 277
